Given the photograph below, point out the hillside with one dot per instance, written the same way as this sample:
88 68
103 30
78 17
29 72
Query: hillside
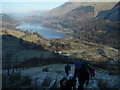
112 14
84 50
100 31
8 21
54 16
104 28
24 46
94 40
69 6
80 14
65 8
94 22
20 46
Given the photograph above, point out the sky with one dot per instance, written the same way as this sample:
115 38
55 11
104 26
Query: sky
24 7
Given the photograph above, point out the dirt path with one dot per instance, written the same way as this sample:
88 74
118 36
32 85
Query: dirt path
56 72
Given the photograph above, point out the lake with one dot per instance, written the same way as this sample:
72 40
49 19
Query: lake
46 33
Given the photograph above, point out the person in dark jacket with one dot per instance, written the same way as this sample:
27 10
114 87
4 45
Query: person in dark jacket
67 69
68 83
82 74
64 85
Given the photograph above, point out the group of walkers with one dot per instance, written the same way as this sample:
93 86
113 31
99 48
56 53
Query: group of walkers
82 73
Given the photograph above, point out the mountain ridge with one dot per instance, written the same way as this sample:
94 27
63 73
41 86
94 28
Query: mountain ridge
69 6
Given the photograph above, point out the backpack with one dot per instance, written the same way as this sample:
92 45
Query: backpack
90 68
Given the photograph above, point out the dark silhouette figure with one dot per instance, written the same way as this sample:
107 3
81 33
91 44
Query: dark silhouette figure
64 84
82 74
68 83
72 82
67 69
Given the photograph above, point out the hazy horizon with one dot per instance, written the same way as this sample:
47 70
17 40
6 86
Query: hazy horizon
26 7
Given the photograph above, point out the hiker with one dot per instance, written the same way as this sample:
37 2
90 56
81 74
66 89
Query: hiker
67 69
91 70
82 74
72 82
67 83
64 84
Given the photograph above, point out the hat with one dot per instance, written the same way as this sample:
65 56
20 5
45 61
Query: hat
78 64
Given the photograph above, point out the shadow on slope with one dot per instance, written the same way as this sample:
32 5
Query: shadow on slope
19 53
12 47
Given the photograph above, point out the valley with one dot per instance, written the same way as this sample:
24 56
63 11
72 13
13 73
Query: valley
39 48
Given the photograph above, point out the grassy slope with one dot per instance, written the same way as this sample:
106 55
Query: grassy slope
86 50
20 52
76 48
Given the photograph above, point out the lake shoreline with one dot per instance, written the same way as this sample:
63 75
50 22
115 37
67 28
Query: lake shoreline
48 33
63 30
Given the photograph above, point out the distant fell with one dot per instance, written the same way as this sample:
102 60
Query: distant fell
8 21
